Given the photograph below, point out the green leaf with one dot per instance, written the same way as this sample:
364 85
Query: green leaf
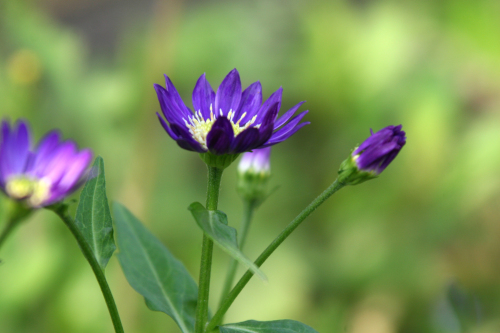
214 225
275 326
153 271
93 217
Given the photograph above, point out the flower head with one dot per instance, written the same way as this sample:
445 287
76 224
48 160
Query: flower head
372 157
254 171
43 175
229 121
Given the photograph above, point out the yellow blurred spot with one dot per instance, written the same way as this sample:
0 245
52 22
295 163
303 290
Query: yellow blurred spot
372 321
24 67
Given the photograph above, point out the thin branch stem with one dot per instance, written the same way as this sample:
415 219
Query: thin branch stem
248 210
216 320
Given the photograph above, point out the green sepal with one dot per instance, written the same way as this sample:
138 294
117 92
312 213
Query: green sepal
218 161
253 186
17 210
349 174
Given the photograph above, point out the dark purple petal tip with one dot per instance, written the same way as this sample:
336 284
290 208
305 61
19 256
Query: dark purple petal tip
378 151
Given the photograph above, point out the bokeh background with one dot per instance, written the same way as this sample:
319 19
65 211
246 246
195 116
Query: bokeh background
416 250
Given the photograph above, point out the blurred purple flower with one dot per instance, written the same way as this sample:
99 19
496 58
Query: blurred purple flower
229 121
40 176
257 162
376 152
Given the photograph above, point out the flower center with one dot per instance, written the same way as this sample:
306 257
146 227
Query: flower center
36 191
199 127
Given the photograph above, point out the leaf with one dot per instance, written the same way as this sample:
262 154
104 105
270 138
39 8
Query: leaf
93 217
153 271
275 326
214 225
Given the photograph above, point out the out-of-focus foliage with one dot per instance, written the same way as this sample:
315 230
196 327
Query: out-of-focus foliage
379 257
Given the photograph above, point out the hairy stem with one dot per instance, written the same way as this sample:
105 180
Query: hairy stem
214 178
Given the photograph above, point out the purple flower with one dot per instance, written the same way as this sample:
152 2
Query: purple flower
375 154
43 175
229 121
256 162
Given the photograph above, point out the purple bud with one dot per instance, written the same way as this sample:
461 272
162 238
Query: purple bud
257 162
378 151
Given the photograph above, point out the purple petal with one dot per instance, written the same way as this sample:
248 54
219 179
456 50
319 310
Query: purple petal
251 99
257 161
74 169
185 139
58 163
270 116
176 99
273 99
229 94
288 127
287 115
4 154
203 97
15 149
245 140
167 108
46 148
376 152
275 140
220 137
165 127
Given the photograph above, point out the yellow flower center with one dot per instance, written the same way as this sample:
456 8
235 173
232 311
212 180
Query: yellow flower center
199 127
35 191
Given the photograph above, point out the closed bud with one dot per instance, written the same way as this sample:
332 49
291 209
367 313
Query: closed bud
372 157
254 171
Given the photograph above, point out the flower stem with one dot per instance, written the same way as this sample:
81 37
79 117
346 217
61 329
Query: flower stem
248 209
17 212
61 211
11 224
214 178
216 320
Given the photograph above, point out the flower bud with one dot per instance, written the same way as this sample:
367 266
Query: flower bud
372 157
254 171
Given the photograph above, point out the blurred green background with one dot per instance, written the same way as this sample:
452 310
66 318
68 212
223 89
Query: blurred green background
416 250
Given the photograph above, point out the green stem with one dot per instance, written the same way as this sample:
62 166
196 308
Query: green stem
214 178
248 209
11 224
216 320
61 211
17 212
